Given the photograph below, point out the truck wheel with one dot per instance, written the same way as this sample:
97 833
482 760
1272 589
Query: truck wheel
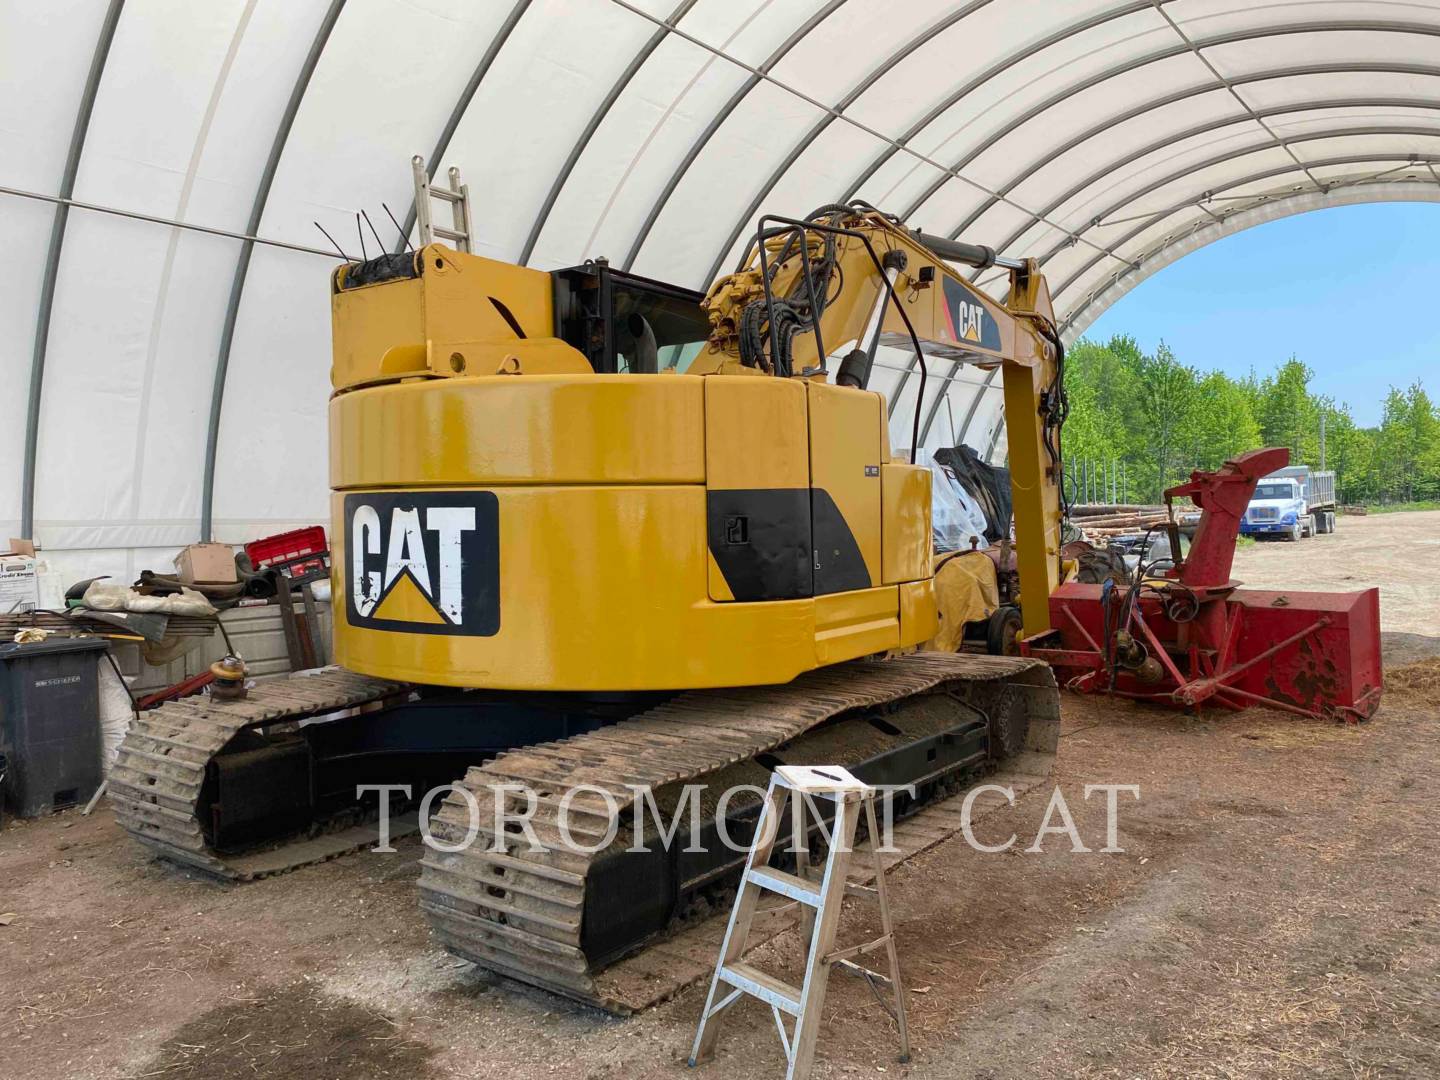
1294 533
1329 521
1307 525
1003 631
1322 523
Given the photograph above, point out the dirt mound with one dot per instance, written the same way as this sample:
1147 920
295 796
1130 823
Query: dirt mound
291 1031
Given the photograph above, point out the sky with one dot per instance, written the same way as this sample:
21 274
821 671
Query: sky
1353 292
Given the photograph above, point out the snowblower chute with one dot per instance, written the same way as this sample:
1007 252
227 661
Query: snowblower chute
1184 633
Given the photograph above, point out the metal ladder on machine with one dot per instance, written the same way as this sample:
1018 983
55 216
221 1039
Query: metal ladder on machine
457 195
820 916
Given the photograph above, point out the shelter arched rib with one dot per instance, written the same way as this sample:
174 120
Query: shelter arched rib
1233 37
1272 209
51 272
1267 75
242 264
1233 155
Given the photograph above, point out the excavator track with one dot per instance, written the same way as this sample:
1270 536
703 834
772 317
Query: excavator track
522 913
155 785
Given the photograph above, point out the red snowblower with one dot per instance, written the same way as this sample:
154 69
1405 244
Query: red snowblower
1183 633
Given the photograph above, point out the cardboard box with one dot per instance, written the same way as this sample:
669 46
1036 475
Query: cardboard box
19 584
210 564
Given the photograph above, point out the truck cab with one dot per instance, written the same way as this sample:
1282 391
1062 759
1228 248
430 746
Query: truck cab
1278 508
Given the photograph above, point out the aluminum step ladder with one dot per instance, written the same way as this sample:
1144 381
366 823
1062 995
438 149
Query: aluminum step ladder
820 904
457 195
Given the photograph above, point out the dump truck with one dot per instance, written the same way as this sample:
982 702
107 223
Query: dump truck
1293 502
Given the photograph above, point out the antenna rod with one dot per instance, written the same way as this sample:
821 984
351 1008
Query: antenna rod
378 242
403 235
332 240
363 253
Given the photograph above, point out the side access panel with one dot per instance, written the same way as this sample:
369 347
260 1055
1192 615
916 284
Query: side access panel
845 459
757 497
907 532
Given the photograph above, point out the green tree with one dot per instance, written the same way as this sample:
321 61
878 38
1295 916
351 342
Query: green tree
1289 415
1157 418
1167 398
1394 465
1424 444
1349 450
1223 422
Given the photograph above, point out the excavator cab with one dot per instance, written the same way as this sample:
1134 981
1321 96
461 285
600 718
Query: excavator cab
627 324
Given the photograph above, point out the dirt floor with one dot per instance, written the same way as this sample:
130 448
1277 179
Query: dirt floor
1275 912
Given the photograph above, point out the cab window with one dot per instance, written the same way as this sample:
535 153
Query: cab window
626 324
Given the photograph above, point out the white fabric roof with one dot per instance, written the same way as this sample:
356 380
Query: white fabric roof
160 377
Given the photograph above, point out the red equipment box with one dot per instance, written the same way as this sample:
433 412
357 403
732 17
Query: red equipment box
298 553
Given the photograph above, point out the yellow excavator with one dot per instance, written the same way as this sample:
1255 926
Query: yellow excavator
594 529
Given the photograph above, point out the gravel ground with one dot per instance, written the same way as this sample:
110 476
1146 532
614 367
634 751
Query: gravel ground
1398 552
1273 913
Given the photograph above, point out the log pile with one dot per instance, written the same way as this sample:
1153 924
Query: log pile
1103 520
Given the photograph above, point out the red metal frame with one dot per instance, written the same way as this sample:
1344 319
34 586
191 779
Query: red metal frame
1308 653
184 688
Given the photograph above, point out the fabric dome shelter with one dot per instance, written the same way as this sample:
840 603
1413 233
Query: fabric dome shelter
165 293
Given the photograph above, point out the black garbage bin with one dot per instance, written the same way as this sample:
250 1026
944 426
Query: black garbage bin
50 723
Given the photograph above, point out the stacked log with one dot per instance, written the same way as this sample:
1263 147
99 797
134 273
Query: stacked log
1078 510
1103 520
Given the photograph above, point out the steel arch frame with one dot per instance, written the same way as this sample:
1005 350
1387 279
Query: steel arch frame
1255 33
829 110
1270 74
596 119
1221 159
242 263
1101 174
875 74
1185 47
959 94
462 105
1211 230
1160 216
1350 159
1200 130
1144 260
1272 209
796 36
45 307
980 391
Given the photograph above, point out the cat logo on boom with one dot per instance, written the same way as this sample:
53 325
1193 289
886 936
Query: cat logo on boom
423 563
970 321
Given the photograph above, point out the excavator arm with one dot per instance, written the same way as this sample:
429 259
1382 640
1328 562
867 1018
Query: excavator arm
850 279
